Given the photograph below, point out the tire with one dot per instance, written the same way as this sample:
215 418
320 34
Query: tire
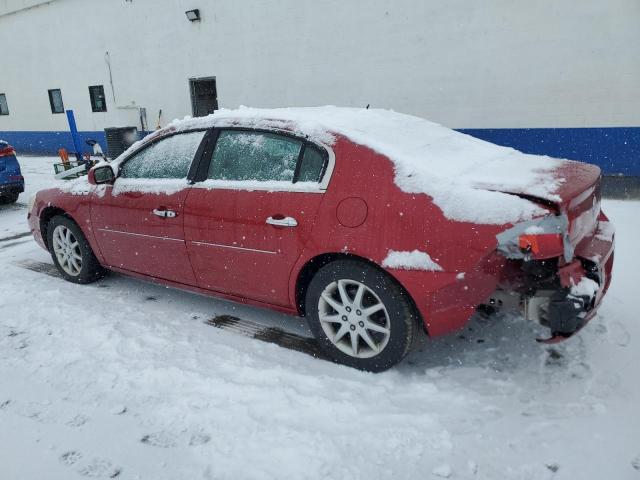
71 251
334 321
9 198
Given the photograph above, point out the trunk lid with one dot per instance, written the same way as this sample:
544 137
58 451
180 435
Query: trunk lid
574 178
578 196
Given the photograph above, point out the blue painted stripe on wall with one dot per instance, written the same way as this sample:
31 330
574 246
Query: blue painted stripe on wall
616 150
48 143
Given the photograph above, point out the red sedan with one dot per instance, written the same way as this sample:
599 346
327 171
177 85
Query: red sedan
372 224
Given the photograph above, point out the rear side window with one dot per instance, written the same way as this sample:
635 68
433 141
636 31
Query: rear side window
312 165
259 156
167 158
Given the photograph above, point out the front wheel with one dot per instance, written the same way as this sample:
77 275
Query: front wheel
360 316
71 251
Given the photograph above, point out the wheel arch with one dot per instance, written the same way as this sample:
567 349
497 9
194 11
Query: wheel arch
311 267
45 217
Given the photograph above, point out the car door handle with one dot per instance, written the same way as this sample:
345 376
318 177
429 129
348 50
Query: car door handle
164 213
283 222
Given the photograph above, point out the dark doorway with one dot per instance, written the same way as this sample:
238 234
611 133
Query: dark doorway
204 96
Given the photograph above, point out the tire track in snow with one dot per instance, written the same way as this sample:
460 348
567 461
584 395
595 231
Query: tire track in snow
274 335
40 267
15 237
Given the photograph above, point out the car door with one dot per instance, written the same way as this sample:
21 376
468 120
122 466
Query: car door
247 223
138 222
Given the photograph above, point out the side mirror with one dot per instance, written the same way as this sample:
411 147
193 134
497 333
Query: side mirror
100 175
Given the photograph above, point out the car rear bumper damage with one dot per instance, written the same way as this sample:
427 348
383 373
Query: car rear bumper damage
586 281
562 296
567 310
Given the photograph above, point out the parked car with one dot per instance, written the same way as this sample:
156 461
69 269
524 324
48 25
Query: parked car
375 226
11 179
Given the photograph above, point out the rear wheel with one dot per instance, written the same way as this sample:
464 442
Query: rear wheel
360 316
71 251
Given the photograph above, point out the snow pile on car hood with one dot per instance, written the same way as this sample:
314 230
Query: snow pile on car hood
463 175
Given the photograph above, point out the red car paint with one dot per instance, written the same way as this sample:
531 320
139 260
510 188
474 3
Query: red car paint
150 245
218 242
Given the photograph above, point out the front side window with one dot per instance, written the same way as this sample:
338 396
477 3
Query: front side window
258 156
4 108
55 100
167 158
98 100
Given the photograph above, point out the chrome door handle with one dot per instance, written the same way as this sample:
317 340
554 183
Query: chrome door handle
283 222
164 213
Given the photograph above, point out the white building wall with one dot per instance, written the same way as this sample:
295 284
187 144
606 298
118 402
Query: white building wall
13 6
485 64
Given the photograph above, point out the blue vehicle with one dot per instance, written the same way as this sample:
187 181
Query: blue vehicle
11 179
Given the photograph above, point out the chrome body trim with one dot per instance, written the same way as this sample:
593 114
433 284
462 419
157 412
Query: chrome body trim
140 235
208 244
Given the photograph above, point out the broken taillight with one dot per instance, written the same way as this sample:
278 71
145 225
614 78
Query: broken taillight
538 239
547 244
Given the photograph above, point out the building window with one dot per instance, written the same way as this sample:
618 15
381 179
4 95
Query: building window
204 96
4 108
98 102
55 100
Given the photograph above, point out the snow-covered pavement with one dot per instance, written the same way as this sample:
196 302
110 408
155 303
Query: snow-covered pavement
123 378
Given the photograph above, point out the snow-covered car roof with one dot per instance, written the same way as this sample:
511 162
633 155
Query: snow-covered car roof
462 174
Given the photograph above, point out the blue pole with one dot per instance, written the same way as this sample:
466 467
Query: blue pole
74 134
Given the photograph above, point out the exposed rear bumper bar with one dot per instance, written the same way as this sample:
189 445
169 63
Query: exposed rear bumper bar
568 312
561 337
568 302
566 316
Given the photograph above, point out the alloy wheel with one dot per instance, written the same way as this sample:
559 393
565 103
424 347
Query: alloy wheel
67 250
354 318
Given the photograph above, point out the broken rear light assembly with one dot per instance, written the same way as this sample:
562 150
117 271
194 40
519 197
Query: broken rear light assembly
541 243
537 239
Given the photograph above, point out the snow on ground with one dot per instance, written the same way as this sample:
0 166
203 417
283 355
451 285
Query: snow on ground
123 378
38 173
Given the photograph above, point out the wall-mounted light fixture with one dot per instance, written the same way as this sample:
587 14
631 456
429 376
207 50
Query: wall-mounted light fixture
193 15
